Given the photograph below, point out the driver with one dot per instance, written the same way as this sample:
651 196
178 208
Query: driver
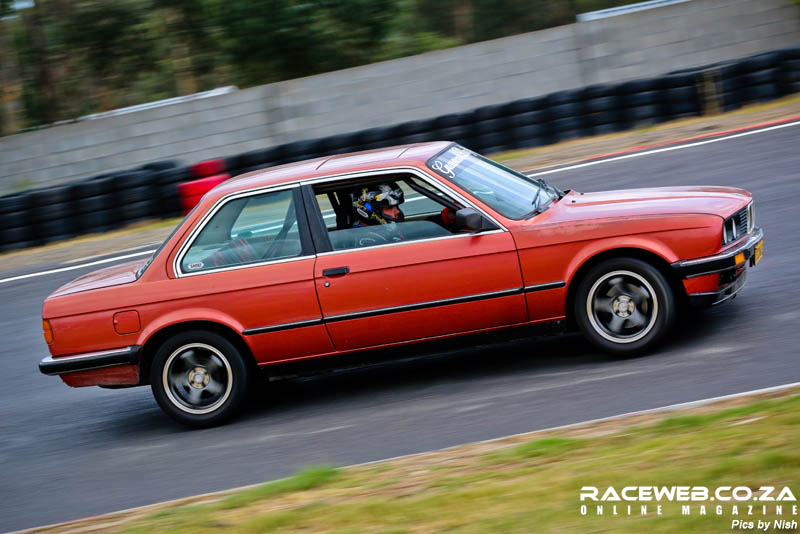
378 205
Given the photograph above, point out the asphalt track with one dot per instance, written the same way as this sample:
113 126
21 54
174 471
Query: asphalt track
69 453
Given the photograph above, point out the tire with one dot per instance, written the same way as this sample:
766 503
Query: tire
528 118
168 203
680 94
18 234
646 98
172 176
136 211
51 211
601 103
763 92
454 133
98 221
91 188
619 282
14 218
490 126
564 111
486 113
96 203
447 121
642 113
15 202
160 165
767 76
199 378
129 180
604 117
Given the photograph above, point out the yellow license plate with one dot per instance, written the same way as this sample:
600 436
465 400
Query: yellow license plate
758 252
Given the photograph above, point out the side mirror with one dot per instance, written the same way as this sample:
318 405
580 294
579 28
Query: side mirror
470 219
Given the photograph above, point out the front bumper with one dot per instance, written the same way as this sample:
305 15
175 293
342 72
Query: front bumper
89 361
732 264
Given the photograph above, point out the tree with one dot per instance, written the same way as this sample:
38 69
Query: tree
279 39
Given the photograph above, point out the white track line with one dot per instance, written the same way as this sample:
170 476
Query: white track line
93 256
73 267
659 150
668 408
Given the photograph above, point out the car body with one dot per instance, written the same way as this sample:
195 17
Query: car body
274 267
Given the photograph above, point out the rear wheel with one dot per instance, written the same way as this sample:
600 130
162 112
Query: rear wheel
199 378
624 306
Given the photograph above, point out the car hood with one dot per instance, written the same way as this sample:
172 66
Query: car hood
124 273
721 201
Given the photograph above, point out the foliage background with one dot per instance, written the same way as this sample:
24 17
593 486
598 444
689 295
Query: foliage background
61 59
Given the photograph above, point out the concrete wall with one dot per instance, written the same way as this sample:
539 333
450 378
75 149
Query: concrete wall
640 44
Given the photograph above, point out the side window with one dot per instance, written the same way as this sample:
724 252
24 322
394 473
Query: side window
380 211
251 229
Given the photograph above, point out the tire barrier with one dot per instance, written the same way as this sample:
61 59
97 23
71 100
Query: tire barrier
166 189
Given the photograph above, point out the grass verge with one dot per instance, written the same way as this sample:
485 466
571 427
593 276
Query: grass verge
528 483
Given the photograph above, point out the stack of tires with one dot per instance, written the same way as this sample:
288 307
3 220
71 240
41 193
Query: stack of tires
133 196
458 127
528 123
789 71
566 116
95 204
601 109
642 103
681 95
16 227
418 131
749 80
491 128
167 199
53 214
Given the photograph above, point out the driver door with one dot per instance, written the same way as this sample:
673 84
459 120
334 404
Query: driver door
423 286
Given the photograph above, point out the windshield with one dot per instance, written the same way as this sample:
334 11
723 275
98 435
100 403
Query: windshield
508 192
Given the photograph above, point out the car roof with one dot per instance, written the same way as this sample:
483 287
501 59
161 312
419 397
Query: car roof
404 155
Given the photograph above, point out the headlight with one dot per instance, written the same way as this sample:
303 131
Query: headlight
738 224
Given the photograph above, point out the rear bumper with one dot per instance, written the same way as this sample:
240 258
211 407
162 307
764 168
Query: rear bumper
732 266
89 361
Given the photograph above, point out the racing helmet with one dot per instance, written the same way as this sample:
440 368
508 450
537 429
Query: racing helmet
369 203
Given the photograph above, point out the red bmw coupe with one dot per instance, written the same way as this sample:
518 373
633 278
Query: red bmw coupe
364 251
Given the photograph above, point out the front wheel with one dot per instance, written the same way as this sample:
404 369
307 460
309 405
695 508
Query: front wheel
199 378
624 306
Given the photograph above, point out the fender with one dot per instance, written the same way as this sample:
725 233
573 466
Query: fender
639 242
187 315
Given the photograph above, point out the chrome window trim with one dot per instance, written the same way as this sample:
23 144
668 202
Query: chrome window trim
424 176
419 173
247 265
208 216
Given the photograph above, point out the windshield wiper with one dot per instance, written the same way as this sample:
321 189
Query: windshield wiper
556 191
535 201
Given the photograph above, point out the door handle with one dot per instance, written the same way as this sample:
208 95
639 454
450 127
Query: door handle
336 271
